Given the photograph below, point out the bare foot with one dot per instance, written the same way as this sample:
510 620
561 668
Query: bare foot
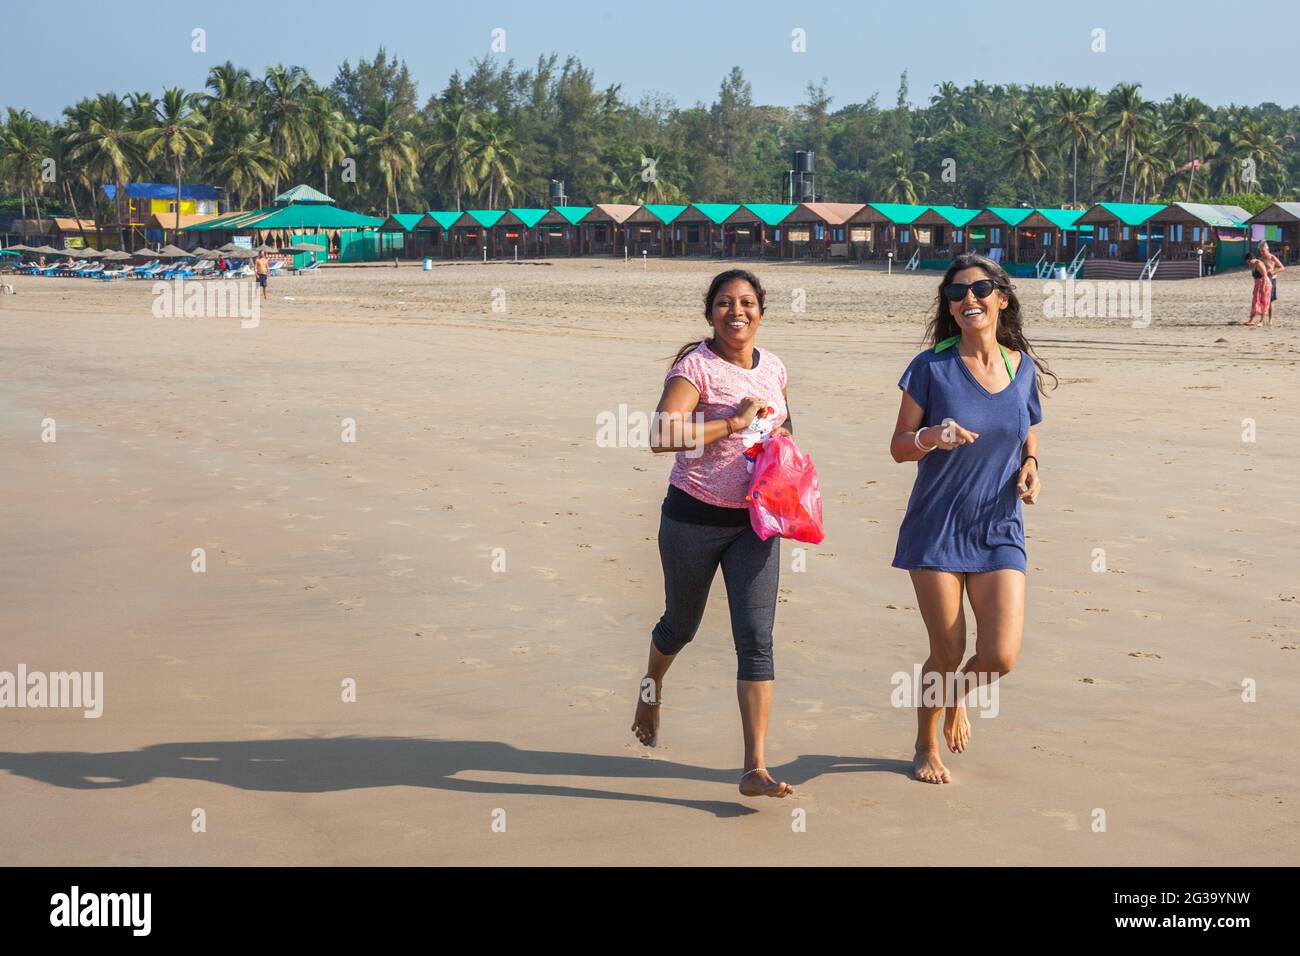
928 768
645 724
759 783
956 728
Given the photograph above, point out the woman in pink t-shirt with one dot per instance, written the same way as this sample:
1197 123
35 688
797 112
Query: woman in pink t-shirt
713 391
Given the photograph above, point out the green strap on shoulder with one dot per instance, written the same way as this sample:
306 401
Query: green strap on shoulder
949 343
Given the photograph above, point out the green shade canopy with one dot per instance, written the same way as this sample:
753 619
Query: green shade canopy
403 221
716 212
302 193
956 215
295 216
1131 213
1061 218
572 213
528 216
1011 215
487 218
899 213
444 218
771 213
665 212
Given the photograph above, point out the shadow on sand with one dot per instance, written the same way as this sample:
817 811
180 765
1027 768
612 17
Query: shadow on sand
322 764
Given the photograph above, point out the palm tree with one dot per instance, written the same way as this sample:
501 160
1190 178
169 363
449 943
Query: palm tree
495 160
178 134
334 133
285 106
946 107
896 180
1073 123
451 149
24 145
244 160
392 146
1125 111
107 147
231 95
1023 143
1191 132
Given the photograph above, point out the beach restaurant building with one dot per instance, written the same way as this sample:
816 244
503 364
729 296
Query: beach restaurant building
650 230
1120 230
698 230
754 229
817 230
301 215
1212 236
559 231
138 203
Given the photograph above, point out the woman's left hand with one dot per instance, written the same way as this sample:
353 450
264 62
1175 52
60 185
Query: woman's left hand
1028 484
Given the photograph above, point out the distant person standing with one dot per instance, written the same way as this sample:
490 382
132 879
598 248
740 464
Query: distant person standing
1260 292
262 269
1273 265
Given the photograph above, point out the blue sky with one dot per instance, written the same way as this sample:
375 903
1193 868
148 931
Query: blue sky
681 49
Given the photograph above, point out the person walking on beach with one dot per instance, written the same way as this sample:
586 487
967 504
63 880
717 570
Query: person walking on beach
1261 290
1274 266
712 393
262 269
970 406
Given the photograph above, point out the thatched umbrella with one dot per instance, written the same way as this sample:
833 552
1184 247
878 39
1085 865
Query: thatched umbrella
172 252
229 247
18 248
145 253
115 254
200 251
47 250
240 253
266 248
304 247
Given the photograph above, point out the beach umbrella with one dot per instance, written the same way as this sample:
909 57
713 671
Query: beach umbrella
172 252
265 248
200 251
47 250
238 253
229 247
19 248
145 253
116 254
304 247
88 252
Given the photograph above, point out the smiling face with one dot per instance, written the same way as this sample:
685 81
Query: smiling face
973 314
736 314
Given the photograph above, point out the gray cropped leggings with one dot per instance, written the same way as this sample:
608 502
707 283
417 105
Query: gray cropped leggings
751 569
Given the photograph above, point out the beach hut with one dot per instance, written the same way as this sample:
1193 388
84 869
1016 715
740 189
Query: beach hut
889 230
432 232
559 231
299 215
1212 236
602 228
1120 230
995 232
398 236
698 230
754 229
471 234
940 234
650 229
817 230
517 233
1279 224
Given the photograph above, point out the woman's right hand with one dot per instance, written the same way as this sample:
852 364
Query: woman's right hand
947 436
750 409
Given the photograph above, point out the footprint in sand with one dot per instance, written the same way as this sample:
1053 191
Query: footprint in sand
1143 654
168 659
471 662
352 602
549 574
520 649
815 706
801 724
341 535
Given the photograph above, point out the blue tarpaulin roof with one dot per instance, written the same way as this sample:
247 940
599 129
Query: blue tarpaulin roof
164 191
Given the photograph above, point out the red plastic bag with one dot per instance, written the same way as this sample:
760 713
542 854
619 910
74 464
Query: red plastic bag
785 496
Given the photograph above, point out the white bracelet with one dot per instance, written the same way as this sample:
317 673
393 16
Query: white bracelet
916 440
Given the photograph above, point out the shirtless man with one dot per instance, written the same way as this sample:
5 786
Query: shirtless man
262 269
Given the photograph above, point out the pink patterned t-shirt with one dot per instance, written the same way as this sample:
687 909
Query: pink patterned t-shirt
719 476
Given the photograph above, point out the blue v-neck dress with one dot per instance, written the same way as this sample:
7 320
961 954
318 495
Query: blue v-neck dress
965 513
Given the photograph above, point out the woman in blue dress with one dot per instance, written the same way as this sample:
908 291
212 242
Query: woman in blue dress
970 406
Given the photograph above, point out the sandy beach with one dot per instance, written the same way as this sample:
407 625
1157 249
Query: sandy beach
487 574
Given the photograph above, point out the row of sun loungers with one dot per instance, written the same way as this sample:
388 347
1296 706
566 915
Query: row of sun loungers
205 269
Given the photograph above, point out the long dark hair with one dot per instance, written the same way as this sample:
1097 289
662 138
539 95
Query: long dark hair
719 280
1010 332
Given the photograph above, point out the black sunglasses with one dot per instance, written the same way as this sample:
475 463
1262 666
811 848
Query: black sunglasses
956 291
